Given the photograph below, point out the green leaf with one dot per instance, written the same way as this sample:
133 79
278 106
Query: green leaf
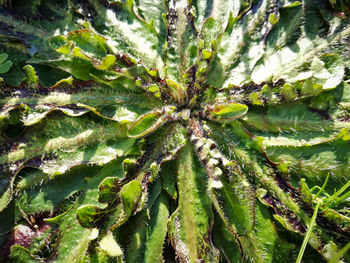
71 232
219 10
334 66
134 36
94 152
88 215
264 243
124 124
110 246
291 56
21 254
148 232
92 43
6 196
273 19
107 102
340 253
239 49
225 241
80 67
210 32
146 124
156 236
3 58
108 190
130 195
32 78
169 179
314 160
234 204
181 46
176 91
5 67
108 62
189 225
225 112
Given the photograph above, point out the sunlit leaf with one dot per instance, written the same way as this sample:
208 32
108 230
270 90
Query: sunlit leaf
174 131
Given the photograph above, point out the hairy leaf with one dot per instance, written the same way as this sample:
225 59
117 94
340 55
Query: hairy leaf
174 131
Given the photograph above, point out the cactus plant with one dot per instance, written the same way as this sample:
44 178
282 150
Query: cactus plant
174 131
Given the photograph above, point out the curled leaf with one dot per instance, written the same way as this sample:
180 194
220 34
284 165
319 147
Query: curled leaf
88 215
108 190
4 65
146 124
176 91
149 122
110 246
225 112
130 195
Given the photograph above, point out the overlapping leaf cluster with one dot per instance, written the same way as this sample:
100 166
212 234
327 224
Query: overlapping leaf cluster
150 131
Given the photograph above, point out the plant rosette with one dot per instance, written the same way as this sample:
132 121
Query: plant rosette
174 131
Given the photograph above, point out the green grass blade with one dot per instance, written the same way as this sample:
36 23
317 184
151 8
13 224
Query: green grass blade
323 186
339 192
340 253
308 234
